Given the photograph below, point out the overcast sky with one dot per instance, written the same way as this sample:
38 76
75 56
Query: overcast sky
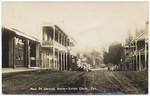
90 23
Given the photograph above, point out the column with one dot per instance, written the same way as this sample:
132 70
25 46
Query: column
146 56
42 60
27 53
129 58
45 59
53 57
140 66
64 40
48 56
66 62
133 64
58 61
53 33
61 38
136 55
61 61
58 37
133 58
13 51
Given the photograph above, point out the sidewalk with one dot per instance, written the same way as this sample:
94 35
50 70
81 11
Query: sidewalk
11 70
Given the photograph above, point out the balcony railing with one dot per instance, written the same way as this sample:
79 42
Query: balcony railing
48 42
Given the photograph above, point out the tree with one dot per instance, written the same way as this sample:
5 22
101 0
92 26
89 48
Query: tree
94 58
105 57
114 54
137 32
115 51
129 38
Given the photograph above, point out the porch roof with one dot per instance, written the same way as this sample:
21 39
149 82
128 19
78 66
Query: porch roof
20 33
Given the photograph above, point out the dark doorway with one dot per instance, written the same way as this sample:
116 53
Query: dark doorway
60 61
32 54
68 62
65 62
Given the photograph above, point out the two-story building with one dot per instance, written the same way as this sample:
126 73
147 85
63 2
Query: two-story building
136 53
57 48
53 49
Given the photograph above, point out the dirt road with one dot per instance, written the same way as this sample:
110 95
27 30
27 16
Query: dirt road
56 82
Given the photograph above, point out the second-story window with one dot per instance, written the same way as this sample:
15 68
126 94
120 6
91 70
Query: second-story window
47 33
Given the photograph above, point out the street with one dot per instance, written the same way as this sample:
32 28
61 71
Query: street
75 82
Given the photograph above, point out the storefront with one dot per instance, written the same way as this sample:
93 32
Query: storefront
19 49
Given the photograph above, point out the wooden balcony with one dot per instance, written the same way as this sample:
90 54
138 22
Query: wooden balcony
48 42
54 44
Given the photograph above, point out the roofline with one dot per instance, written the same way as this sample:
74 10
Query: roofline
16 30
61 30
65 33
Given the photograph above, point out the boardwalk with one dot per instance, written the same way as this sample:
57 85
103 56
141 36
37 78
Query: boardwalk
98 82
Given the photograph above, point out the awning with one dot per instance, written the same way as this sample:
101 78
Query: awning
20 33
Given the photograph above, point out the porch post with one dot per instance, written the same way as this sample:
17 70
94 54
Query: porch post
133 64
54 57
146 56
58 61
140 66
61 61
64 60
42 59
13 41
53 33
28 54
136 56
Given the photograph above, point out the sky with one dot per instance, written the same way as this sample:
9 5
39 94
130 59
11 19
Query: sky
89 23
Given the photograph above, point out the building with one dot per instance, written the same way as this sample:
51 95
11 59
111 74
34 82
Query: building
136 53
58 50
19 49
30 42
53 49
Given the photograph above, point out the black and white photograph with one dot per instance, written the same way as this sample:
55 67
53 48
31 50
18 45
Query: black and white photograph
74 47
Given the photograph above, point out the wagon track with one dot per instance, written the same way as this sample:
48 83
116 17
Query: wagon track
110 79
128 83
